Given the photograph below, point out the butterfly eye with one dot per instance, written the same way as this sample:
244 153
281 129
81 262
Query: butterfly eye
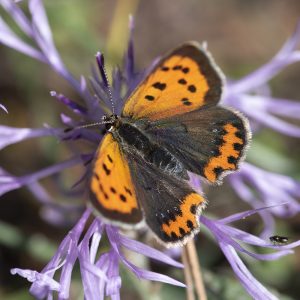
108 126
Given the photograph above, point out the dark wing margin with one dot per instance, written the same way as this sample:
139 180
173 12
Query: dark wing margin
210 142
207 67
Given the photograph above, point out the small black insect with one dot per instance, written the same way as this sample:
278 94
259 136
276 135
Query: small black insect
278 240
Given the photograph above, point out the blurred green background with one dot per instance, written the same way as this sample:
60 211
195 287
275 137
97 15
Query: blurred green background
241 35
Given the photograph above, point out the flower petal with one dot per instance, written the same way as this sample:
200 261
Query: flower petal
8 38
148 251
228 235
287 55
114 239
76 108
43 35
252 286
11 135
3 108
9 182
149 275
285 191
34 276
18 15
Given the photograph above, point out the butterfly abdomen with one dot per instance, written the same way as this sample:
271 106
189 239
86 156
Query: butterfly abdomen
136 141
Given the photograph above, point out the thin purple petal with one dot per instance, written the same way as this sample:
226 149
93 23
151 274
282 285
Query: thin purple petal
253 287
245 214
9 183
43 34
100 62
62 252
149 275
12 135
3 108
18 15
76 108
33 276
129 61
287 55
148 251
114 239
8 38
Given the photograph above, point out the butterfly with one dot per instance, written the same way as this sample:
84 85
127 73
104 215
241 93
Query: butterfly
170 125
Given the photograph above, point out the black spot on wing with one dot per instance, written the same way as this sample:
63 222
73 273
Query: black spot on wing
159 85
189 224
193 209
123 198
182 81
238 147
186 101
192 88
106 170
174 236
182 231
149 97
128 191
218 171
232 160
177 67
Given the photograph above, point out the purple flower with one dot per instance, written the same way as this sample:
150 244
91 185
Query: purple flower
231 240
252 96
100 274
253 184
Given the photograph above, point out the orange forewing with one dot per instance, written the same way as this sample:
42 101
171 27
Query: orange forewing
112 191
183 81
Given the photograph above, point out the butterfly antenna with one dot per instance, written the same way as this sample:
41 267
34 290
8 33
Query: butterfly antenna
88 125
100 62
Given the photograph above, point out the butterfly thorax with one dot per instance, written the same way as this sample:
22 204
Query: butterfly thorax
134 140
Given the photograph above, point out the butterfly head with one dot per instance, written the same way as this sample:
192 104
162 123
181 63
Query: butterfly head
111 122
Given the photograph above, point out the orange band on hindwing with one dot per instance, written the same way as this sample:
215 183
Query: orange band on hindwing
229 154
186 222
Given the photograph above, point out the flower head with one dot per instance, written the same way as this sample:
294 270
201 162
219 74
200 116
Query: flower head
100 273
230 240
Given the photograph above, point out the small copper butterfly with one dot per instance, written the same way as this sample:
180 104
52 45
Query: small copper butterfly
169 126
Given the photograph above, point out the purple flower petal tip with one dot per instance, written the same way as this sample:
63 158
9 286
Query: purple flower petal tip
3 108
76 108
131 23
33 276
101 66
